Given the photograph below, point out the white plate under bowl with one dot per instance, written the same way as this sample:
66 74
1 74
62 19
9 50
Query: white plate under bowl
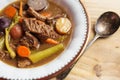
78 16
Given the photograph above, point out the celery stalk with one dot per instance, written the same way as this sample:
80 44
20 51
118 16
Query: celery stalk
45 53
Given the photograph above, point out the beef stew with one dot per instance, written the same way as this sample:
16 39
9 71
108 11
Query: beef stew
29 33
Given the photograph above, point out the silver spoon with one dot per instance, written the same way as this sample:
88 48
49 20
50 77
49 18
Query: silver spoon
107 24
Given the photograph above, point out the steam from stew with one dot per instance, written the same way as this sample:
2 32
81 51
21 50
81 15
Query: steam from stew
33 33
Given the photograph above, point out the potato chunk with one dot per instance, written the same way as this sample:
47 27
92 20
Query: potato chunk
63 25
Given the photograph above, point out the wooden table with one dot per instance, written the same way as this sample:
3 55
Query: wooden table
102 60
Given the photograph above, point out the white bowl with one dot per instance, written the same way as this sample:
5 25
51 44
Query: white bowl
78 15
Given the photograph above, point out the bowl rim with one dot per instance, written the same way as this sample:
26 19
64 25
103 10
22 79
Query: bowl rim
80 53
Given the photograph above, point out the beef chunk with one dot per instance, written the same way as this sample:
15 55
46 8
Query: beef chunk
37 4
30 41
57 16
4 55
43 18
13 45
23 62
39 28
52 20
36 15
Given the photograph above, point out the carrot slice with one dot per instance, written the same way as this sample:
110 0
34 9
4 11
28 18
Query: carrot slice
21 8
51 41
23 51
10 11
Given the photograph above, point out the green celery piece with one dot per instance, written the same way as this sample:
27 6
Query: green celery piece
62 38
45 53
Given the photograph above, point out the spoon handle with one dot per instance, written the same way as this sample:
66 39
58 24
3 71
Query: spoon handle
92 41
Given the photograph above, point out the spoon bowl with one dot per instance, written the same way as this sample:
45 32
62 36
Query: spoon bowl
107 24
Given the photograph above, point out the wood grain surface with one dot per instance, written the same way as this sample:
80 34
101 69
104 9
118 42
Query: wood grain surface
102 60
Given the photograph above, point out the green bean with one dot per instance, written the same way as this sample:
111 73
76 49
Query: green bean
7 31
10 50
45 53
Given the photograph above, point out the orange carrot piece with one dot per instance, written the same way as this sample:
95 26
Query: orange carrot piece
51 41
23 51
21 8
46 14
10 11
